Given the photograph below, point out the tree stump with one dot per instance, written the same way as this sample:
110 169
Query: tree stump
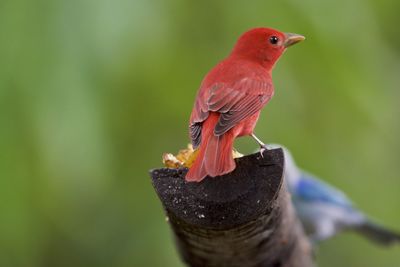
244 218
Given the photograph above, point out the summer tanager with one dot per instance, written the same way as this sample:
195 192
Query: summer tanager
231 97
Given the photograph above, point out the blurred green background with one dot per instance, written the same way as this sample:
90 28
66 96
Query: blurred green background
93 92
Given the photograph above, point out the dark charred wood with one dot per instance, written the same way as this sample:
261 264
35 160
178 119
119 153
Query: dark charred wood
244 218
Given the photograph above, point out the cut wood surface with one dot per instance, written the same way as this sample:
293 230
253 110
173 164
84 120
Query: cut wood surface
244 218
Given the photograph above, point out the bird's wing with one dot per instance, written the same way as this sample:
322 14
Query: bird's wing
313 190
235 102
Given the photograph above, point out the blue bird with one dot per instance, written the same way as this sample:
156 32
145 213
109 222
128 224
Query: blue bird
324 210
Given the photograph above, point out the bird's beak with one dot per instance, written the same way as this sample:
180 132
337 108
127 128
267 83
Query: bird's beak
292 38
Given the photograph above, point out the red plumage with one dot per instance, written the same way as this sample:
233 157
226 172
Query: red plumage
231 97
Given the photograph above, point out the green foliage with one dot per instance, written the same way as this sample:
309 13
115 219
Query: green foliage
92 93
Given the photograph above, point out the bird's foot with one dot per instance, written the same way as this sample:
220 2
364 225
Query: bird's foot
262 149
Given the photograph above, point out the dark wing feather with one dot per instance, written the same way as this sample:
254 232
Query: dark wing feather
195 134
250 105
235 102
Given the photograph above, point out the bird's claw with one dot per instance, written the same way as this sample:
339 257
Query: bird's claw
262 149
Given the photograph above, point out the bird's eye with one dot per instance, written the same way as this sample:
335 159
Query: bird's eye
273 40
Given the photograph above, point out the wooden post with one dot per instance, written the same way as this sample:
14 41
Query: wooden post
244 218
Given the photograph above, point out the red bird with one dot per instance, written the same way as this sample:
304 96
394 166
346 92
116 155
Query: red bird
231 97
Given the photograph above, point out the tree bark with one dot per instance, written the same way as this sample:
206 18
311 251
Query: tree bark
244 218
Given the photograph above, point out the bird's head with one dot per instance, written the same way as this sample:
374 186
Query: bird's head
264 45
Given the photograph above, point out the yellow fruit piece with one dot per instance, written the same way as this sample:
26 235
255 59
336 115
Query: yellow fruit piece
186 157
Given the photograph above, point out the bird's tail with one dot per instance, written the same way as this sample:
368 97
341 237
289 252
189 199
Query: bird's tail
215 153
378 233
